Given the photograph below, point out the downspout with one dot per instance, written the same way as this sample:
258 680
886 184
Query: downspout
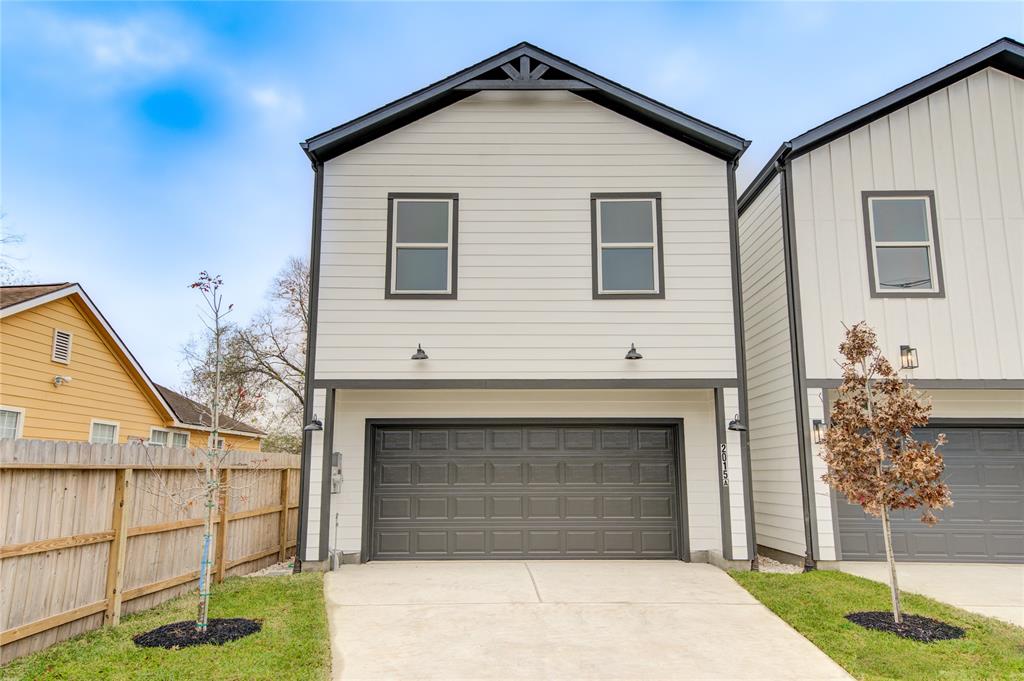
741 364
307 411
797 358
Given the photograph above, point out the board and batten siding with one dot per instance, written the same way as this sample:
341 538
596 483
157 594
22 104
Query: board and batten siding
524 165
966 143
774 448
695 407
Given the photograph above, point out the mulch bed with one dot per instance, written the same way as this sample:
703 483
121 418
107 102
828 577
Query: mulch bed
184 634
916 627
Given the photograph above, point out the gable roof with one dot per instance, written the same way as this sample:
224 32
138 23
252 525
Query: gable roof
1005 54
15 295
20 298
537 70
192 413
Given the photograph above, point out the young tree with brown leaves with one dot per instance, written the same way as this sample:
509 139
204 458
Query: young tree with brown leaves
869 446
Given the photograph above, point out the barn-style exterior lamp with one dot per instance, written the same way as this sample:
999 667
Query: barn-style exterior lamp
419 354
632 352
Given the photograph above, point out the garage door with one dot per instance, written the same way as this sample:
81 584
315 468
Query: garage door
525 490
985 471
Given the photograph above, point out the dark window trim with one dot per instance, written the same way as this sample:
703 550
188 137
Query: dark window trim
594 255
454 246
928 194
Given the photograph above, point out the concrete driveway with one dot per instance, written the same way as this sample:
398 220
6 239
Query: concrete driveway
558 620
995 590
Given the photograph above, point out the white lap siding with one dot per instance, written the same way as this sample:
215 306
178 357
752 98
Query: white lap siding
524 165
774 453
695 407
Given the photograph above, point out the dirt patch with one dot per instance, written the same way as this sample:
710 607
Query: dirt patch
916 627
184 634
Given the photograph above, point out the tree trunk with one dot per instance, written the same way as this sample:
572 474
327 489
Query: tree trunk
202 614
894 588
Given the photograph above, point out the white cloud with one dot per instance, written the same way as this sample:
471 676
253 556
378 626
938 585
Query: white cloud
139 45
274 102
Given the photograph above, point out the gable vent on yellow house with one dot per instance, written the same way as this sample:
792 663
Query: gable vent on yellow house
66 375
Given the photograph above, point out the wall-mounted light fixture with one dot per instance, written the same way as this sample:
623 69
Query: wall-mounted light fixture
818 429
419 354
314 424
632 353
737 425
908 357
58 381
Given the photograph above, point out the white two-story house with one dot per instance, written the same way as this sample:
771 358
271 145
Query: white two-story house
907 212
524 337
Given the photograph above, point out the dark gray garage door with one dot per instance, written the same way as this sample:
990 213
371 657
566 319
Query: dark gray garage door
516 491
985 471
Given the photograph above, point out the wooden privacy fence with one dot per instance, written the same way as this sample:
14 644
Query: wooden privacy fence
87 535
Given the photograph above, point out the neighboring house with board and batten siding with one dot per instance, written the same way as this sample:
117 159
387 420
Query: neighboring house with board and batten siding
908 213
524 338
66 375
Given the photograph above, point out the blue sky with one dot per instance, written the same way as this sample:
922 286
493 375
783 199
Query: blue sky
142 143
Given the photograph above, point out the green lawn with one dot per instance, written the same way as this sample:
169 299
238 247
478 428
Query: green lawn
814 603
293 643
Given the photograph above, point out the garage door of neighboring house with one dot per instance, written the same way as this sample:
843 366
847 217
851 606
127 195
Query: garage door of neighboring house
525 490
985 472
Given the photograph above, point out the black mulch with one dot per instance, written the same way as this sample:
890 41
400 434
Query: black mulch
916 627
184 634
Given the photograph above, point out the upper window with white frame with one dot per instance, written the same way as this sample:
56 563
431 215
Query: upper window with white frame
11 422
422 258
103 432
627 259
903 244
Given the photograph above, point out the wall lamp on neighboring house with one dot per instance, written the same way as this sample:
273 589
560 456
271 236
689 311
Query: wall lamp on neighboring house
818 429
419 354
908 357
737 425
314 424
58 381
632 353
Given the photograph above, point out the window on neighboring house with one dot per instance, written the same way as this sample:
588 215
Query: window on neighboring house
422 245
11 422
218 443
61 346
158 437
179 439
103 433
626 245
903 244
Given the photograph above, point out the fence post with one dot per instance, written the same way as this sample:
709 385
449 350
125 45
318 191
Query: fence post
115 563
222 530
282 525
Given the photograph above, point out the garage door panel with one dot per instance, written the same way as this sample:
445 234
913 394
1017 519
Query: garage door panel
511 491
985 472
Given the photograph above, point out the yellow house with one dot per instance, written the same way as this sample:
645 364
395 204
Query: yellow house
66 375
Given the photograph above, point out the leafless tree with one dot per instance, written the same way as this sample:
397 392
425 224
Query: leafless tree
872 456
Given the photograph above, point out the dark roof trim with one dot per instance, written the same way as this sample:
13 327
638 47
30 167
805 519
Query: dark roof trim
1005 54
338 140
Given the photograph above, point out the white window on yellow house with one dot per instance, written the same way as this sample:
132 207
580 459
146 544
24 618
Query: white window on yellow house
12 420
179 439
103 432
158 437
217 443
